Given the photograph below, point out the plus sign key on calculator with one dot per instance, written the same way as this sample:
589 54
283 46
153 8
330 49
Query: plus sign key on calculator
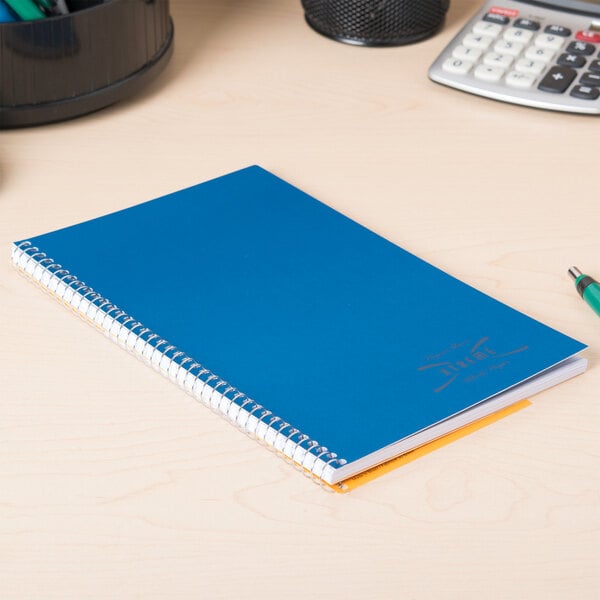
544 57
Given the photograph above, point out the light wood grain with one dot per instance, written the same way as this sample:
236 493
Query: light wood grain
114 484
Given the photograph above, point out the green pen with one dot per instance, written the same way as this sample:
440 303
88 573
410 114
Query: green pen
588 288
27 10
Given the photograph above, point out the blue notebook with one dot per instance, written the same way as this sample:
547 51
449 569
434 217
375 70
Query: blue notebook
304 329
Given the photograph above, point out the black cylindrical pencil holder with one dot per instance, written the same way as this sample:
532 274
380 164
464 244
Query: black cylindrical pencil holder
376 22
65 66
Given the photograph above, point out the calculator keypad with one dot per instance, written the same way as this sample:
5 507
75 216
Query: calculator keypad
508 41
541 55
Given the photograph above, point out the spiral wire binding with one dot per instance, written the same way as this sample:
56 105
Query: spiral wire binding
256 421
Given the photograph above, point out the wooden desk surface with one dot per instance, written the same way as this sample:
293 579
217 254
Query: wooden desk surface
114 484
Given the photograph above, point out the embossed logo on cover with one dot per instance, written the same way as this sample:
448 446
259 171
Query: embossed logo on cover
461 360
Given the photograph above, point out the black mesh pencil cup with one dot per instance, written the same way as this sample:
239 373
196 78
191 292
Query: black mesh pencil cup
376 22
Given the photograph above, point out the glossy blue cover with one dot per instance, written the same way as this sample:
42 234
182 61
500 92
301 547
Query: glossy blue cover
343 334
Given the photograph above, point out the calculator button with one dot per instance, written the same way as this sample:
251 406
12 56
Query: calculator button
457 66
494 18
493 59
594 66
514 34
527 24
486 73
592 79
485 28
588 36
507 12
552 42
557 80
576 61
512 48
526 65
540 54
465 53
585 92
558 30
520 80
480 42
581 48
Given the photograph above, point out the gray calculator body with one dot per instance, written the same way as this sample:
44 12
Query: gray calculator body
539 54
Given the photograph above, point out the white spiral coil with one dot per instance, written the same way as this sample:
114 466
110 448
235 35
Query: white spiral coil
255 420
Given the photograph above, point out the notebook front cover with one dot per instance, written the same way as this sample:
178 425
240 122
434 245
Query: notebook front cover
349 338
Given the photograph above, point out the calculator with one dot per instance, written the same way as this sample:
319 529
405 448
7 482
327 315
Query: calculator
538 54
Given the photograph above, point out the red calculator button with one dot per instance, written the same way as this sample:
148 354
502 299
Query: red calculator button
588 36
507 12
